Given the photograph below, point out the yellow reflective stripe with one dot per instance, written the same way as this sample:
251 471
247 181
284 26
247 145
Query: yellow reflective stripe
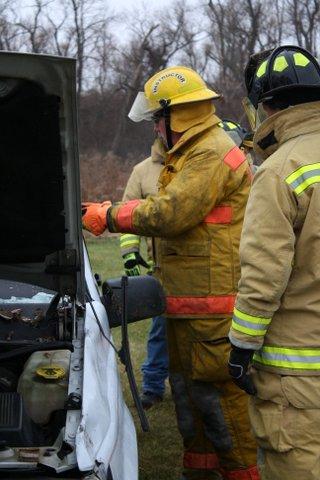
252 318
262 69
280 64
129 239
300 60
247 330
249 324
232 125
294 358
129 242
303 177
307 168
307 183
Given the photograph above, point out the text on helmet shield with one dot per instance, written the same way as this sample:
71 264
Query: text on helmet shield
177 75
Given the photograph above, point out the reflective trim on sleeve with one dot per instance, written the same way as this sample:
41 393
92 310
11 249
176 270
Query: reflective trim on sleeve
129 243
293 358
125 214
249 324
220 214
129 240
303 177
200 305
234 158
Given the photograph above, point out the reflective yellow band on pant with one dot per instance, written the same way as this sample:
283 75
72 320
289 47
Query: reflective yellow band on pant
249 324
293 358
129 243
303 177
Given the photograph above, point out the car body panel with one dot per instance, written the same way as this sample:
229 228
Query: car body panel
106 434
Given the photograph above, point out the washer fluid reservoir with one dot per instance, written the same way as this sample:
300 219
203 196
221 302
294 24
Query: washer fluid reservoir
44 383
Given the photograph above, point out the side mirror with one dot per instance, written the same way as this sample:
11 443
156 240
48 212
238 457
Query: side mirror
145 299
98 279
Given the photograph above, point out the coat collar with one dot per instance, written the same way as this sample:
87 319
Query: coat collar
284 125
192 132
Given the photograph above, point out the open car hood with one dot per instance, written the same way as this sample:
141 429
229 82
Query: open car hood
41 236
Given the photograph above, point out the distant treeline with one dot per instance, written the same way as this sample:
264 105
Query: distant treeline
117 53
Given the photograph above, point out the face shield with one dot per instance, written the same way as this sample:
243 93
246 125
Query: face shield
140 109
255 116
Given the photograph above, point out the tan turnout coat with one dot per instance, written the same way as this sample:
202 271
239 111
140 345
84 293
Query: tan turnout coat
278 305
142 183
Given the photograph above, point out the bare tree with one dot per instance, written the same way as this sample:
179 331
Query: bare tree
60 37
87 19
154 43
33 29
304 17
9 32
273 27
103 56
235 31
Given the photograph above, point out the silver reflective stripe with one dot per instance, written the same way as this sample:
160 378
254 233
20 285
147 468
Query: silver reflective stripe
244 323
305 176
293 358
249 324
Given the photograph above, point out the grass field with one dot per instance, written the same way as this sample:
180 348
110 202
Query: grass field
160 449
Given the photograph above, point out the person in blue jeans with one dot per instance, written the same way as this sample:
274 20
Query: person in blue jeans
155 367
142 183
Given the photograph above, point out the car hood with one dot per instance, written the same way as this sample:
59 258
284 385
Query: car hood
41 236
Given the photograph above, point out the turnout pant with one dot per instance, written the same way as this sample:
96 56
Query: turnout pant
285 416
211 411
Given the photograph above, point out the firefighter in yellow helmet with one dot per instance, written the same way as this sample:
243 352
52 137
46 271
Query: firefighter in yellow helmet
276 318
196 219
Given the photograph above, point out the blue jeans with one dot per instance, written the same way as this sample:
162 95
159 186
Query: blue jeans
155 367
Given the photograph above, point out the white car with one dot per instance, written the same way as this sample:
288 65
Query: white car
62 412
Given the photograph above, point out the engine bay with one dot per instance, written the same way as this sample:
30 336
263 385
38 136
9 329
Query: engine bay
35 357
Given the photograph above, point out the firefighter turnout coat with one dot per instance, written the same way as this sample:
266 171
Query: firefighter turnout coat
197 217
141 184
278 305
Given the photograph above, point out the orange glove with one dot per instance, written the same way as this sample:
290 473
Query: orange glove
94 216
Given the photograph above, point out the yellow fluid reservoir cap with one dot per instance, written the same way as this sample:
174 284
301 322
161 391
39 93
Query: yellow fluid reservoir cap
51 372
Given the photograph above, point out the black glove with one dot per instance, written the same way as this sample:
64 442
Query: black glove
132 262
238 365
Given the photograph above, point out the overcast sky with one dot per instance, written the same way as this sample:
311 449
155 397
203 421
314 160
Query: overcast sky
120 5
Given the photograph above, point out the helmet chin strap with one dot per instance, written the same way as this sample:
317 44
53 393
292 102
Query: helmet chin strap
166 114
